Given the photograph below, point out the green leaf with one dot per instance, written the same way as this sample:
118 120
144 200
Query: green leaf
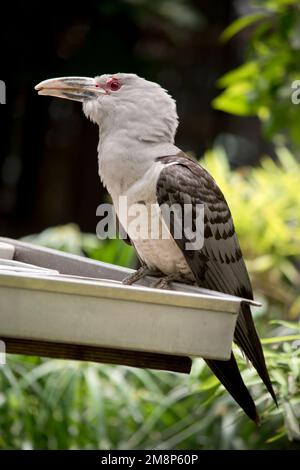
276 437
234 100
241 23
280 339
245 72
287 324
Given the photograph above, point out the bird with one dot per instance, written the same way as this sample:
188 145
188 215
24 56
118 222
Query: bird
138 159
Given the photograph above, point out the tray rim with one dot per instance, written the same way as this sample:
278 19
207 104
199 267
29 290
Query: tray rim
114 290
114 274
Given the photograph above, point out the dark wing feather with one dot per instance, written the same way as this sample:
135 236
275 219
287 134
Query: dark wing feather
219 265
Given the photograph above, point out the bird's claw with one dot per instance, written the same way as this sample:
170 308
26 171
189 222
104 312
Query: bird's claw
164 282
142 272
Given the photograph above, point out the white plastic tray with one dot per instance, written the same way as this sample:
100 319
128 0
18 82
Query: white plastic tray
47 295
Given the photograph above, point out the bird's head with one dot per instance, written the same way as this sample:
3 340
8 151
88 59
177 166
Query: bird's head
120 102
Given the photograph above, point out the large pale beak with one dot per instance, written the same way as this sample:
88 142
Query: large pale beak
71 88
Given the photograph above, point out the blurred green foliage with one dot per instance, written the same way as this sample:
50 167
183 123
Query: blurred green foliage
63 404
262 85
177 16
56 404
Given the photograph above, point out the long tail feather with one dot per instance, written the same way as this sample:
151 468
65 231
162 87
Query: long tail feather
229 375
247 339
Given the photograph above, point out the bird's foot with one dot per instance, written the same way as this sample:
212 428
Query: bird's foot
164 282
142 272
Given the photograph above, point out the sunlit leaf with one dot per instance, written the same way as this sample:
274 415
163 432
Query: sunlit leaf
241 23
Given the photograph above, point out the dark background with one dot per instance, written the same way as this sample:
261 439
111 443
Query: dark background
48 156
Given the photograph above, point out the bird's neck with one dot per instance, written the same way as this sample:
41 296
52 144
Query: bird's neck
124 159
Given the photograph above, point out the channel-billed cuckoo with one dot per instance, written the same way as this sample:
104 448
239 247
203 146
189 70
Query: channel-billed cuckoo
138 160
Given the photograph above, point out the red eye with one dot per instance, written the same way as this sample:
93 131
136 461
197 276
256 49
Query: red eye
113 84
